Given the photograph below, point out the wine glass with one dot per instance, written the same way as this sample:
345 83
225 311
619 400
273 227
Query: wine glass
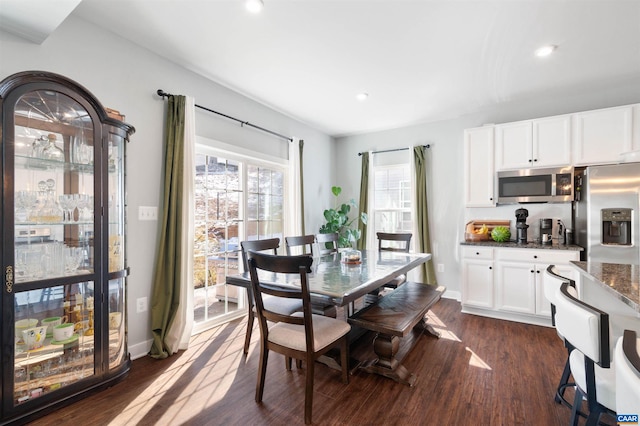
65 202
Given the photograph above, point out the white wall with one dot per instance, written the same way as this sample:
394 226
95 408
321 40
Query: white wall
447 214
125 77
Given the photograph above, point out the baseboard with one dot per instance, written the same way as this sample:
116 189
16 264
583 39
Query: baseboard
139 350
452 294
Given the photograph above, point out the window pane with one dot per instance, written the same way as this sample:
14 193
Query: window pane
234 201
392 199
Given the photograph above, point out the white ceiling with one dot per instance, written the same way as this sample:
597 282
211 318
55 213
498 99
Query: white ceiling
419 60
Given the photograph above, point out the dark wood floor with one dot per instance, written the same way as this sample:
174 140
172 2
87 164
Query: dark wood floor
481 371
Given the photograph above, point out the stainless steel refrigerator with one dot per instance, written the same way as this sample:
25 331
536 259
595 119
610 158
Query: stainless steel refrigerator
606 213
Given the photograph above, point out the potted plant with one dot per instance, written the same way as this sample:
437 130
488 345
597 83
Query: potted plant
337 220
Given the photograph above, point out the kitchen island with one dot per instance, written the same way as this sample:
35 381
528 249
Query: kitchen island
620 281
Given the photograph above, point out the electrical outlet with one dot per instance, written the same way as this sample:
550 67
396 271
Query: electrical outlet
141 304
440 267
147 213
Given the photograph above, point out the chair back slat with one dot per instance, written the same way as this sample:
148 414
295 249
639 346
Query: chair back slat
304 241
399 241
268 244
327 243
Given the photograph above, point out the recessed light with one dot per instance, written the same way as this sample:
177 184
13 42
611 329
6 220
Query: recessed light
545 50
254 6
362 96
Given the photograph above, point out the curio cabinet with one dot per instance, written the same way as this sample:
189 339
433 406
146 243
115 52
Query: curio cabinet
62 233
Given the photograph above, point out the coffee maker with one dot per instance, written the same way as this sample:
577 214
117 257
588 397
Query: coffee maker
521 225
546 236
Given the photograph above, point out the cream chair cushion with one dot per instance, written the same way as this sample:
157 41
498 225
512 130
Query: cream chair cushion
326 330
605 379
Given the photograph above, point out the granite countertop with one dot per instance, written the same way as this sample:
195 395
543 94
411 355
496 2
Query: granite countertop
622 280
529 245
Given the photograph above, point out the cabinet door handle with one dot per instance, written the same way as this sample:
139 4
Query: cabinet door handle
490 267
8 276
535 256
477 254
532 271
537 272
535 159
529 160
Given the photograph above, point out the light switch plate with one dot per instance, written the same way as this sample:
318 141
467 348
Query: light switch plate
147 213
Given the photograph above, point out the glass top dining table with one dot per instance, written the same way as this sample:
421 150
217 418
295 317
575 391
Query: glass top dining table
343 283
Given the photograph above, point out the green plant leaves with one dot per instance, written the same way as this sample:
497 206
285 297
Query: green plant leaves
337 220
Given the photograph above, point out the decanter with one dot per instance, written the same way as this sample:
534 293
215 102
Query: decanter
51 151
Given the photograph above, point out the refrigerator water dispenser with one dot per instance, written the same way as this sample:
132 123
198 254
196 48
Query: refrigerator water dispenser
616 227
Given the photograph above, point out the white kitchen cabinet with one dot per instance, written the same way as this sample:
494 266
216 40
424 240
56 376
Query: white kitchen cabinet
477 277
520 276
507 283
478 167
600 136
516 287
542 142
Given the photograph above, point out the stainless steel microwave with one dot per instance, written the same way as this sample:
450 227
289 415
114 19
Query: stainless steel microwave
550 185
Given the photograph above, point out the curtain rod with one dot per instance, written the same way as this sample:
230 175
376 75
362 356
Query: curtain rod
392 150
164 94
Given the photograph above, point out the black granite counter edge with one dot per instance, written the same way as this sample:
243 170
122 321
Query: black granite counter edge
529 245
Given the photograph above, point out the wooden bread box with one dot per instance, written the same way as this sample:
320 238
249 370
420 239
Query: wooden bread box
470 235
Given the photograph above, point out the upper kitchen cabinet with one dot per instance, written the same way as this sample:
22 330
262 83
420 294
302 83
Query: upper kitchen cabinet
63 231
478 167
601 136
542 142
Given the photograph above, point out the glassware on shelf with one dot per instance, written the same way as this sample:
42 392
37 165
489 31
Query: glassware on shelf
82 202
50 210
72 259
51 151
25 202
81 152
38 145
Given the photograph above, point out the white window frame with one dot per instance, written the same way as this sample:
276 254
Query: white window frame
404 184
217 148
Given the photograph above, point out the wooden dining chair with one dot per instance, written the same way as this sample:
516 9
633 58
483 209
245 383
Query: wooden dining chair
627 362
327 243
398 242
302 335
587 330
280 305
304 241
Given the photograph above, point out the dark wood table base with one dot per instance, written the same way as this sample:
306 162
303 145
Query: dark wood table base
399 319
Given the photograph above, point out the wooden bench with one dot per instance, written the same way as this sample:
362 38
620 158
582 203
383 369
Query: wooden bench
394 316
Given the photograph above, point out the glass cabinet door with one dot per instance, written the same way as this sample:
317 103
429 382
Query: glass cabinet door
62 244
54 243
117 230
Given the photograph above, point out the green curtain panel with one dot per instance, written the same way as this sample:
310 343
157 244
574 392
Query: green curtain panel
364 200
301 146
422 215
165 297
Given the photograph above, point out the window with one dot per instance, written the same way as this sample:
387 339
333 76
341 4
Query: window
392 199
236 198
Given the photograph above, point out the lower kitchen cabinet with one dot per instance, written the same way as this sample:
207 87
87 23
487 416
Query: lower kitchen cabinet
507 283
477 277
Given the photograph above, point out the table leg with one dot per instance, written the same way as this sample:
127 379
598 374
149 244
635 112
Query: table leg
426 327
387 365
